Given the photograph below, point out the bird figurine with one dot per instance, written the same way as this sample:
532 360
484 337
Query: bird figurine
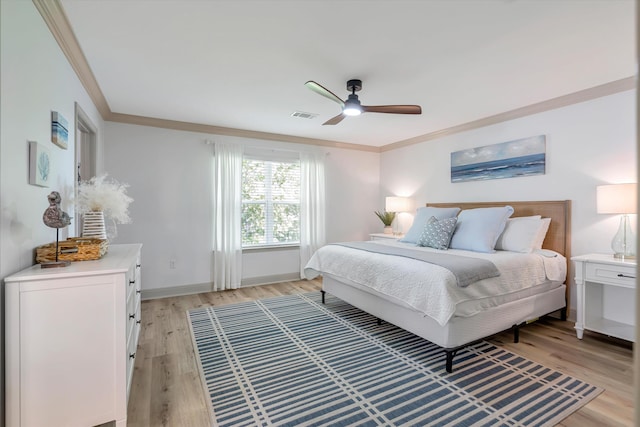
53 216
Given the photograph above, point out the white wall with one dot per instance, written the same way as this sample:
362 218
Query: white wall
169 173
35 78
588 144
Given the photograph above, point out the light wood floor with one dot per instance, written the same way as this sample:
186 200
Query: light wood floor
166 388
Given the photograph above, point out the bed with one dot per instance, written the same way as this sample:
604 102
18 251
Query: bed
468 321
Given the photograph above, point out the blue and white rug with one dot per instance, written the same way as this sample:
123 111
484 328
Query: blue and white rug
292 361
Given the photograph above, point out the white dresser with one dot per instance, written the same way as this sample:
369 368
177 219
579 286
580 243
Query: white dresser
71 337
606 295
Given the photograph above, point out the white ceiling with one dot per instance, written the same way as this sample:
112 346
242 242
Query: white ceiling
243 64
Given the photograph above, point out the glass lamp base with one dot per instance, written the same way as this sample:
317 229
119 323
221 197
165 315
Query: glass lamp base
624 242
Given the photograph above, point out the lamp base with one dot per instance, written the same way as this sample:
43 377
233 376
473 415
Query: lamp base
624 242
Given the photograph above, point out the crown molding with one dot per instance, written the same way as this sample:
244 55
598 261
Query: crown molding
218 130
55 18
606 89
53 14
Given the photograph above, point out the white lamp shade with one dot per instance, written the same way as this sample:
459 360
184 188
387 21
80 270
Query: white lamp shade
616 198
397 204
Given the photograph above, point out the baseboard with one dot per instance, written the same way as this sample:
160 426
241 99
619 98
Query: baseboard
267 280
177 291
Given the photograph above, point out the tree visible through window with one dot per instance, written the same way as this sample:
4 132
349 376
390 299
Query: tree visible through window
270 202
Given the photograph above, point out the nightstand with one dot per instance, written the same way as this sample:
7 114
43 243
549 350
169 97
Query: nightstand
382 236
606 295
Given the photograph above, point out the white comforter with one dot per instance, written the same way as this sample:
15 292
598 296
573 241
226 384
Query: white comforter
431 289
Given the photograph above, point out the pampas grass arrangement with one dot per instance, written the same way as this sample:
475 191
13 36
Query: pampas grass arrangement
103 194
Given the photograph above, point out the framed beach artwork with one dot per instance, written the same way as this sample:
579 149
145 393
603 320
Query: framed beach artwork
522 157
39 165
59 130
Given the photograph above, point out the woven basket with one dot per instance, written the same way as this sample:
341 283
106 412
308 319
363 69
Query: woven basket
73 249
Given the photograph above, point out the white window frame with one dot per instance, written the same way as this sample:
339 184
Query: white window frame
271 158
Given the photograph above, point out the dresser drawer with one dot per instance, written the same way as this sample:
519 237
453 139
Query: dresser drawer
618 275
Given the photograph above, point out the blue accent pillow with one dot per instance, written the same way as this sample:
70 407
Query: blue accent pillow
437 233
420 221
479 229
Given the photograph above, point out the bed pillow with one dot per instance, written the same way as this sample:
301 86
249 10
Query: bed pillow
420 221
437 233
523 234
478 229
542 233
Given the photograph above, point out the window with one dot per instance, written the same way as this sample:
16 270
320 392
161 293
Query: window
270 202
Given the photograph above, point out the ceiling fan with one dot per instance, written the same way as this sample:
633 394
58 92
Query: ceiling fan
352 107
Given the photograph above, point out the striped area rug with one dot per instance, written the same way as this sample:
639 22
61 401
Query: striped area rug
292 361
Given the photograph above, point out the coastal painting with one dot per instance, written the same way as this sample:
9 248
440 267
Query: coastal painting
522 157
59 130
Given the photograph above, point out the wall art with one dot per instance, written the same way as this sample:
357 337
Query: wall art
39 165
522 157
59 130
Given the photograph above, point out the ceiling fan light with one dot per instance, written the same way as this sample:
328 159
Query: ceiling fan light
351 111
352 106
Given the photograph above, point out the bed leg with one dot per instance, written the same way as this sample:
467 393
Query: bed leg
322 292
563 314
449 361
516 334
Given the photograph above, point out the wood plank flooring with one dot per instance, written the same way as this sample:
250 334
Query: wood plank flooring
166 388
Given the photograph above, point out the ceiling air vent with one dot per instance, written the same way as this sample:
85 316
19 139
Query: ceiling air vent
303 115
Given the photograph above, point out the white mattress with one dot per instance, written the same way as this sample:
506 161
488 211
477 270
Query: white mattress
432 290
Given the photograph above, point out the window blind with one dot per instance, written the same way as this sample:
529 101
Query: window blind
270 202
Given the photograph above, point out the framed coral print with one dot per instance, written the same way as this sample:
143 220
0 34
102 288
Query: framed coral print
59 130
39 165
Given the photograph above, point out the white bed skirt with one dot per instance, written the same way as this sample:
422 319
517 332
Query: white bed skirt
459 330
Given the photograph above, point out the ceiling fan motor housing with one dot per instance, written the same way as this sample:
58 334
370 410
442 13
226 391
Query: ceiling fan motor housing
354 85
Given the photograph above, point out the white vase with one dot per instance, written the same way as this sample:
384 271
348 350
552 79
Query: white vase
388 230
93 225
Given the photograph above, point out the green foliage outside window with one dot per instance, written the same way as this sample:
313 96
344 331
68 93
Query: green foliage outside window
270 203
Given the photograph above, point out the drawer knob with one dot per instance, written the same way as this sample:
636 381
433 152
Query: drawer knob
137 265
138 291
131 282
132 316
132 355
624 275
138 321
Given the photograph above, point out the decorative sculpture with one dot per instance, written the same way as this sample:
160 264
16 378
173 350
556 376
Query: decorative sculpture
55 217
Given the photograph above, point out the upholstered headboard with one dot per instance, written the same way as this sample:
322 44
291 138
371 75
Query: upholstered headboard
559 235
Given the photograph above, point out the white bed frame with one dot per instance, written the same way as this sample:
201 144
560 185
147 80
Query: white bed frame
462 331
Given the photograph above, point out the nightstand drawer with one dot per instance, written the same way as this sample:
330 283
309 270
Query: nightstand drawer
611 274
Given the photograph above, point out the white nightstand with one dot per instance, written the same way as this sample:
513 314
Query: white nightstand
382 236
606 295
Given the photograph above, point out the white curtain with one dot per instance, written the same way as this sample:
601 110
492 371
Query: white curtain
312 206
227 212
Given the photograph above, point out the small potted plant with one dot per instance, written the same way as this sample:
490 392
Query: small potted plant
387 219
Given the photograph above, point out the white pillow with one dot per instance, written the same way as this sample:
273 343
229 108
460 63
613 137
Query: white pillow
478 229
420 221
542 233
523 234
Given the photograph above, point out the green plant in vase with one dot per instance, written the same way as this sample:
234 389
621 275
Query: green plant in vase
387 219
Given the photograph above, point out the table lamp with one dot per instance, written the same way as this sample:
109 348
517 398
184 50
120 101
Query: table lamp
620 199
397 205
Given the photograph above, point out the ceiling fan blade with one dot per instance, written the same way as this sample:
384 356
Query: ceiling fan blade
334 120
393 109
321 90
